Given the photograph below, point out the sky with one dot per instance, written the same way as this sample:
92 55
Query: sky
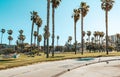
15 15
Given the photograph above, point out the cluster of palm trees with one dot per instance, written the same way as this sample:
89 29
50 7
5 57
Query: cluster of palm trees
82 10
10 38
21 38
55 4
38 21
105 5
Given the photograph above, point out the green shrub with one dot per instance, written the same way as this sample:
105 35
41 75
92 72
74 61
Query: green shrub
7 51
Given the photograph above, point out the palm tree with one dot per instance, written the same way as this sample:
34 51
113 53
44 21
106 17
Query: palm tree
33 19
92 39
76 16
88 34
102 35
38 23
35 35
10 32
83 34
57 39
2 32
55 4
70 39
48 17
84 9
39 39
46 36
118 36
10 37
106 5
21 38
21 32
95 35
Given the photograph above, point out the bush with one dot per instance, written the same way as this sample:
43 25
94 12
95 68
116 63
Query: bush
7 51
110 48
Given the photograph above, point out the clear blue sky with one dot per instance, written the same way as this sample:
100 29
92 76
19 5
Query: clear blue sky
15 15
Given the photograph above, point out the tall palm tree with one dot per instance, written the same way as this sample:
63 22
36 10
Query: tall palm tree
39 39
48 17
10 38
57 39
84 9
35 35
33 19
38 23
76 16
21 39
2 32
46 36
107 5
55 4
88 34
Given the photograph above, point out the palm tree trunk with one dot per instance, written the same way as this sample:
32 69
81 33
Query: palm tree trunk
75 34
106 32
22 46
53 14
37 36
89 40
48 17
9 42
44 44
32 34
57 42
82 33
99 43
1 37
34 41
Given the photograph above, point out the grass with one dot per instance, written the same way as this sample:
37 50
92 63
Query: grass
25 60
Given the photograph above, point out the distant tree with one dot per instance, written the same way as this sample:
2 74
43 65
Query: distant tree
70 39
39 39
21 38
88 34
57 39
2 32
10 38
35 35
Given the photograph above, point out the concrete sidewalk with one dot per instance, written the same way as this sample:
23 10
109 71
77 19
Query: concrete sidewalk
48 69
111 69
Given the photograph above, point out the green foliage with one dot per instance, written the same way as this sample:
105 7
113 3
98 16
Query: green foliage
7 51
111 48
